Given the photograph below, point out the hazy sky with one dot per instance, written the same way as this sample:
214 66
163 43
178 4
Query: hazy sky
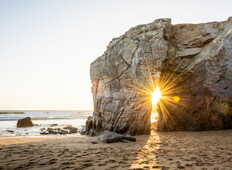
46 46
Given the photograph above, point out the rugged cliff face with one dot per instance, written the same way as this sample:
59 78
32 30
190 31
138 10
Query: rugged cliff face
190 61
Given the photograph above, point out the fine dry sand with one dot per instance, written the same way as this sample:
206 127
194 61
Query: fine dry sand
166 150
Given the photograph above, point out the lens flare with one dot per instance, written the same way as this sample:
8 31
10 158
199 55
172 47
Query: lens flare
176 99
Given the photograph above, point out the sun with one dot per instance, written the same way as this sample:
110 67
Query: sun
156 96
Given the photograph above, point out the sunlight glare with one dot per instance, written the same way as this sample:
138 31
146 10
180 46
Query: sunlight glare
154 117
156 96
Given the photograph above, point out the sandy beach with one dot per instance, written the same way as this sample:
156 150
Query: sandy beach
163 150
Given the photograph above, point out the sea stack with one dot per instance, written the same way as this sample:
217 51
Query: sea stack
25 122
188 62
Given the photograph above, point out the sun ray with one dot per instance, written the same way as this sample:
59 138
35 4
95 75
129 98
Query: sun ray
164 92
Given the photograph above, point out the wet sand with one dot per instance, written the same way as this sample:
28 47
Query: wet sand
163 150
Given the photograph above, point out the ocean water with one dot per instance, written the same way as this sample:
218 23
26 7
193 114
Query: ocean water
8 122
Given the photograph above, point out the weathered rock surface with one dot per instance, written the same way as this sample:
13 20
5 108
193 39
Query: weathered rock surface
191 61
25 122
58 130
112 137
88 129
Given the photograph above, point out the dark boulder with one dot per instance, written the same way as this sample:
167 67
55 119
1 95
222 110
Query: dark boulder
112 137
71 129
25 122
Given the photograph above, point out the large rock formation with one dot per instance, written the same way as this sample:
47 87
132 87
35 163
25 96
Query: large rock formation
189 62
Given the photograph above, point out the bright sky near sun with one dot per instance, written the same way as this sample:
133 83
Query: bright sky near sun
46 46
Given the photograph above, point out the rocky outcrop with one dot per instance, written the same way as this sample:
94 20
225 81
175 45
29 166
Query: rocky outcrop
25 122
190 61
89 129
58 130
